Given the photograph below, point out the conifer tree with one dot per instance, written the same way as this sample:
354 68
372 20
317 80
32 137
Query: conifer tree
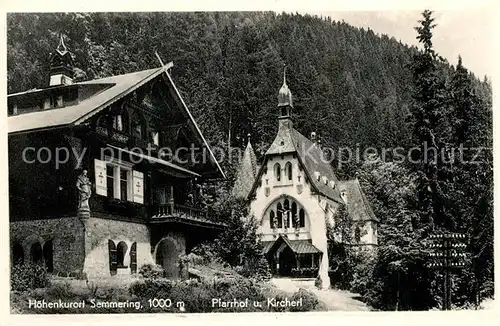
472 176
427 112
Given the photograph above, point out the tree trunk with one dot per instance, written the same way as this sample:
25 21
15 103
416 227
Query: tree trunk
397 296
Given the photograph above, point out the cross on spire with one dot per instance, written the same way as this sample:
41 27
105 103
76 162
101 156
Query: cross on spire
284 74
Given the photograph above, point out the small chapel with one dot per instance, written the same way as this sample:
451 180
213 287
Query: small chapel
295 195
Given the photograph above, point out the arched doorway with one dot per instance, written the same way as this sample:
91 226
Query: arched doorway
286 262
36 253
121 250
48 254
167 256
17 254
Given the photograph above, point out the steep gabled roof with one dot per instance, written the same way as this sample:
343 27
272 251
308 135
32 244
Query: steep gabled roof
357 204
247 171
119 87
311 158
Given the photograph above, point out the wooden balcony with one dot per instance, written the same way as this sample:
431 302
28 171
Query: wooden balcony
178 210
175 213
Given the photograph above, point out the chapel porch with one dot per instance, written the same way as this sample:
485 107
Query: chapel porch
292 258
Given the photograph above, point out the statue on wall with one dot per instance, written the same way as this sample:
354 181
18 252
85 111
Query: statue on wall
84 187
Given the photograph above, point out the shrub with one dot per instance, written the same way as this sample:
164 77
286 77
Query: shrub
256 268
59 290
151 271
28 276
318 282
152 288
197 295
309 300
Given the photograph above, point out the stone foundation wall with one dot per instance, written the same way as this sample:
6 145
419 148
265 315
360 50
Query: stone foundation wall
99 231
67 235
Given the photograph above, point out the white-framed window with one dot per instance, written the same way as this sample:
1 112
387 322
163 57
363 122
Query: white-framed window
118 180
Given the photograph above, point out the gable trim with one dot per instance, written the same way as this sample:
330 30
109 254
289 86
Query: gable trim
205 143
307 174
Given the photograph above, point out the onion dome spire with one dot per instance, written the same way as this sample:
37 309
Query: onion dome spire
285 95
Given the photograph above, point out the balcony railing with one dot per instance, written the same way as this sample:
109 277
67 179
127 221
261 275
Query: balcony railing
176 210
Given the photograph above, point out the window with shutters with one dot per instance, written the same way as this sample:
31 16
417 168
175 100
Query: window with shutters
133 258
124 184
113 264
110 173
118 181
121 250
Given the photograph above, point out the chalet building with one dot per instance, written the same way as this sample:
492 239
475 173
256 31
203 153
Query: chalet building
92 188
295 195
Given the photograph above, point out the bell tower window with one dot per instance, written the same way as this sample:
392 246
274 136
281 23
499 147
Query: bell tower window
288 169
277 171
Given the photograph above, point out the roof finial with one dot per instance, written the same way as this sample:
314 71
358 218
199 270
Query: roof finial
284 74
61 48
249 136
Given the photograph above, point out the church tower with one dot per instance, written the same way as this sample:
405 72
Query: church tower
61 66
285 104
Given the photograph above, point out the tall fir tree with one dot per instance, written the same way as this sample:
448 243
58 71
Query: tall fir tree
428 109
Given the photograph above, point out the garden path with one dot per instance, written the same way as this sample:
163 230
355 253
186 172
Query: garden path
335 300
